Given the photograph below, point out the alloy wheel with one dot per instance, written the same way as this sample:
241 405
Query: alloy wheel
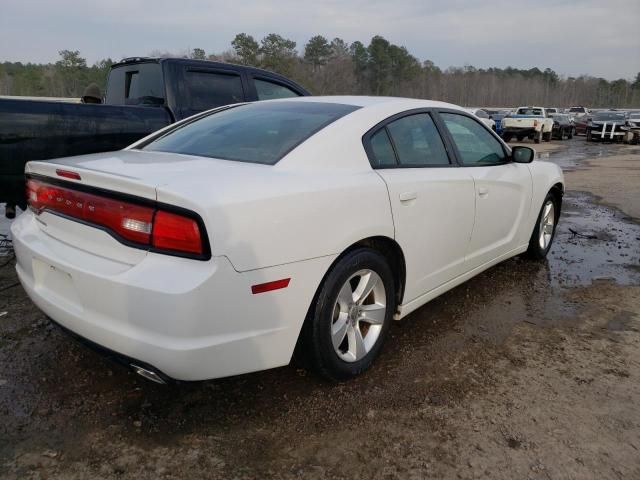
358 315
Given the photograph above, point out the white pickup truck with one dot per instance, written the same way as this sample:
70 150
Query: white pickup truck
530 122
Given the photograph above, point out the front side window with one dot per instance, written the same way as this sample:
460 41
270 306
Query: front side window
272 91
417 141
261 132
207 90
475 144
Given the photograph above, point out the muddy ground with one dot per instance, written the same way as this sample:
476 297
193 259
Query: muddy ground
528 371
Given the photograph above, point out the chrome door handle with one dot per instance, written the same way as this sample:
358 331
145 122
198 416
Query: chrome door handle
408 196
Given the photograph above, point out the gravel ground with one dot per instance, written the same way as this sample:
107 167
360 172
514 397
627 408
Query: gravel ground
529 371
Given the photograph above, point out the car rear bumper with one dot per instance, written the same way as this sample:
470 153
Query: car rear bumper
525 131
189 319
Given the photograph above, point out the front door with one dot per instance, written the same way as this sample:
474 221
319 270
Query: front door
502 189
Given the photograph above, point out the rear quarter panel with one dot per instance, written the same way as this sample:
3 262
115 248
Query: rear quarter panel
317 201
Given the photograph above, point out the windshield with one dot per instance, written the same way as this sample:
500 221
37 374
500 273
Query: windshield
576 109
262 132
609 116
136 84
635 116
529 111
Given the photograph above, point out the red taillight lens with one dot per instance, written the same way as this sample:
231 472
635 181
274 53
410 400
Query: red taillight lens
176 232
144 226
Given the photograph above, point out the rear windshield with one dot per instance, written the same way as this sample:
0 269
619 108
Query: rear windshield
609 116
137 84
262 132
577 109
529 111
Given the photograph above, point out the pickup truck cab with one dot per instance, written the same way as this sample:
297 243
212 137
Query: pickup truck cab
529 122
142 96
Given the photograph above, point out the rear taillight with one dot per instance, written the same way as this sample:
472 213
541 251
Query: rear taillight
143 225
176 232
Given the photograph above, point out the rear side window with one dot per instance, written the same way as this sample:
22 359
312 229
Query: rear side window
272 91
139 84
475 144
261 132
383 154
210 89
417 141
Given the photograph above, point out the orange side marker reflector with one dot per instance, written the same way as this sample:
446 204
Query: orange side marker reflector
267 287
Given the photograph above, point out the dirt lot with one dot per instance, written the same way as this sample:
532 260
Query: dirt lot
528 371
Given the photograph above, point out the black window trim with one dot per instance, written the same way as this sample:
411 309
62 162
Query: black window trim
276 81
366 140
440 121
215 71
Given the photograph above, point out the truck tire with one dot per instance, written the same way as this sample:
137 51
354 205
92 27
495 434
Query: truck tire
520 138
589 137
507 138
538 137
547 137
570 136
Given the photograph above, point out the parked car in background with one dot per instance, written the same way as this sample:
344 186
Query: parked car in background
208 244
551 110
562 126
580 124
577 111
142 96
607 125
497 115
634 126
528 122
484 117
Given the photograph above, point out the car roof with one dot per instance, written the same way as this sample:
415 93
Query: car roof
364 101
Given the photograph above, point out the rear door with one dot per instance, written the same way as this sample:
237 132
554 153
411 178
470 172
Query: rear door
502 188
432 200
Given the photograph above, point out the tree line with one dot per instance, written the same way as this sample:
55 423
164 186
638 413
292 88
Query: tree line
335 67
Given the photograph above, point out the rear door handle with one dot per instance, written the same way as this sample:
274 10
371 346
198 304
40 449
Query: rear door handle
483 191
408 196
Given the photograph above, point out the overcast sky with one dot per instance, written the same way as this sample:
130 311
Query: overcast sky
573 37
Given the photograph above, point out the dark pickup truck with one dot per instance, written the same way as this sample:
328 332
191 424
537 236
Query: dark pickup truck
142 96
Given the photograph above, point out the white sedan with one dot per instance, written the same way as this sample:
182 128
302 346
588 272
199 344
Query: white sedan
218 245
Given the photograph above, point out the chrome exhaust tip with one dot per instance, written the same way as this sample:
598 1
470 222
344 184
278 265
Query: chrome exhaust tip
148 374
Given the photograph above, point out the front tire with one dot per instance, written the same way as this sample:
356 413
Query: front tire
346 327
545 230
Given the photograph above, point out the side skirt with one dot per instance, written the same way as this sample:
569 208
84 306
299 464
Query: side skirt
407 308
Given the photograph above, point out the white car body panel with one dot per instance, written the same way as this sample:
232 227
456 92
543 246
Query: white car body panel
195 319
433 210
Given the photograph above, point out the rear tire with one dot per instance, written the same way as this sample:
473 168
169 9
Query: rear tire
545 229
346 327
538 137
570 136
507 138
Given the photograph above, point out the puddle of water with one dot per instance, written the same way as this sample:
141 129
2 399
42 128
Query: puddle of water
607 246
579 150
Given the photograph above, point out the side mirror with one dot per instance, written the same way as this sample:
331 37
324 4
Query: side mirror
522 154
